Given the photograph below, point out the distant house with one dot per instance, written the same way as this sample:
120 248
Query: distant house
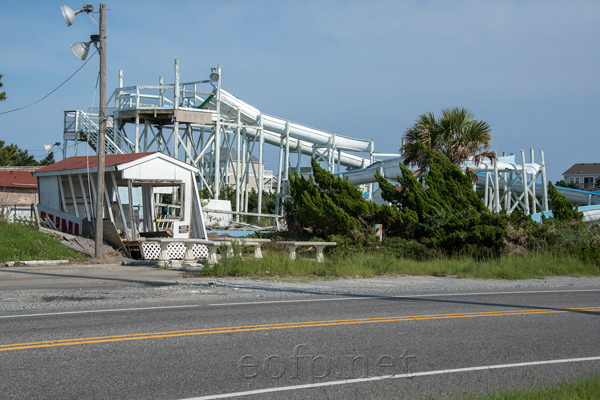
584 175
18 190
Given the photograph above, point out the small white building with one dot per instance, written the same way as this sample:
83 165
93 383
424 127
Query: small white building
67 193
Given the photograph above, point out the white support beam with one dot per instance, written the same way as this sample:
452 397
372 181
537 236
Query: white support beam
137 129
261 167
238 166
73 196
544 183
107 202
279 172
131 213
524 180
148 208
496 186
120 204
61 190
85 199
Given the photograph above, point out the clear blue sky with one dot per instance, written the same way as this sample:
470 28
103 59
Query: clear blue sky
531 69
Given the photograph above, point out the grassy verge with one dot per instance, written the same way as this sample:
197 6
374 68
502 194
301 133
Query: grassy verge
584 388
277 264
20 243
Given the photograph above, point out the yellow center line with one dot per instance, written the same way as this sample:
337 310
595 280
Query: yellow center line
287 325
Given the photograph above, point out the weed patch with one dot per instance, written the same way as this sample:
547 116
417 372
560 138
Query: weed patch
21 242
277 265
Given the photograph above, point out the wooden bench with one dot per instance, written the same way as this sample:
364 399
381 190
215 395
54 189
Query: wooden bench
292 246
243 242
189 244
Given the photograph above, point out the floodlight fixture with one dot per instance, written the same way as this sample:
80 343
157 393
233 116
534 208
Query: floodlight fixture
70 14
49 147
81 49
214 76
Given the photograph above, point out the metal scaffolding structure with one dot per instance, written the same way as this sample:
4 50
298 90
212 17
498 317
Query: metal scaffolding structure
222 136
509 185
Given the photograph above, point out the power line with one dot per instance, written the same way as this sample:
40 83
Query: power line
54 90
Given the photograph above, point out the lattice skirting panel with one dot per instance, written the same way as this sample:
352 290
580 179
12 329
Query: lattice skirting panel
176 251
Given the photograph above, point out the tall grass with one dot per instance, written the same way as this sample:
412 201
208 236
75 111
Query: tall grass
20 242
580 389
366 265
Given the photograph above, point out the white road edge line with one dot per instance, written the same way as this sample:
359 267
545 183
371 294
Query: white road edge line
378 378
297 301
98 311
366 297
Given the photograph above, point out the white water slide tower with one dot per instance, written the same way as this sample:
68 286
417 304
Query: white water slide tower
192 121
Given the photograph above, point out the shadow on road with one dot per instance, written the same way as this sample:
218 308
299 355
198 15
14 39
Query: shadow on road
420 299
143 282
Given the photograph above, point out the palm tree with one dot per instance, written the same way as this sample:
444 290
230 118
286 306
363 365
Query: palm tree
456 134
2 94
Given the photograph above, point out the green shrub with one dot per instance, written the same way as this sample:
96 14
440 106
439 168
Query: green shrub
434 216
562 209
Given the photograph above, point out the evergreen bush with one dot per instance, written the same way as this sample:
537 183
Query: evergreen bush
436 215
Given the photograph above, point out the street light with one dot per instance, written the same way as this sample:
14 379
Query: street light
80 50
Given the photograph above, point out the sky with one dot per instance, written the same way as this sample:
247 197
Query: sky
360 69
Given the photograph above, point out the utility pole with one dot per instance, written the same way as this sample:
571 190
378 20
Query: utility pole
101 135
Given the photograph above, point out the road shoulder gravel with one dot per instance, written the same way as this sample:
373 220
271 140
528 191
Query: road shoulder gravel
75 287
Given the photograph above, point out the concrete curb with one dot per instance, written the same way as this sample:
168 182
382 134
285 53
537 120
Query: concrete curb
36 262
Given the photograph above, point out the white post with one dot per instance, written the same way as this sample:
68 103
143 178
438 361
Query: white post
161 96
280 172
137 131
238 171
507 192
286 171
61 190
496 185
107 201
73 197
131 216
120 204
244 175
217 146
533 186
486 191
188 144
330 159
175 107
544 183
525 188
260 166
85 201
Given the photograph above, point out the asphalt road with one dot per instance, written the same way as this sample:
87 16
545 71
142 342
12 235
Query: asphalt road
302 344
